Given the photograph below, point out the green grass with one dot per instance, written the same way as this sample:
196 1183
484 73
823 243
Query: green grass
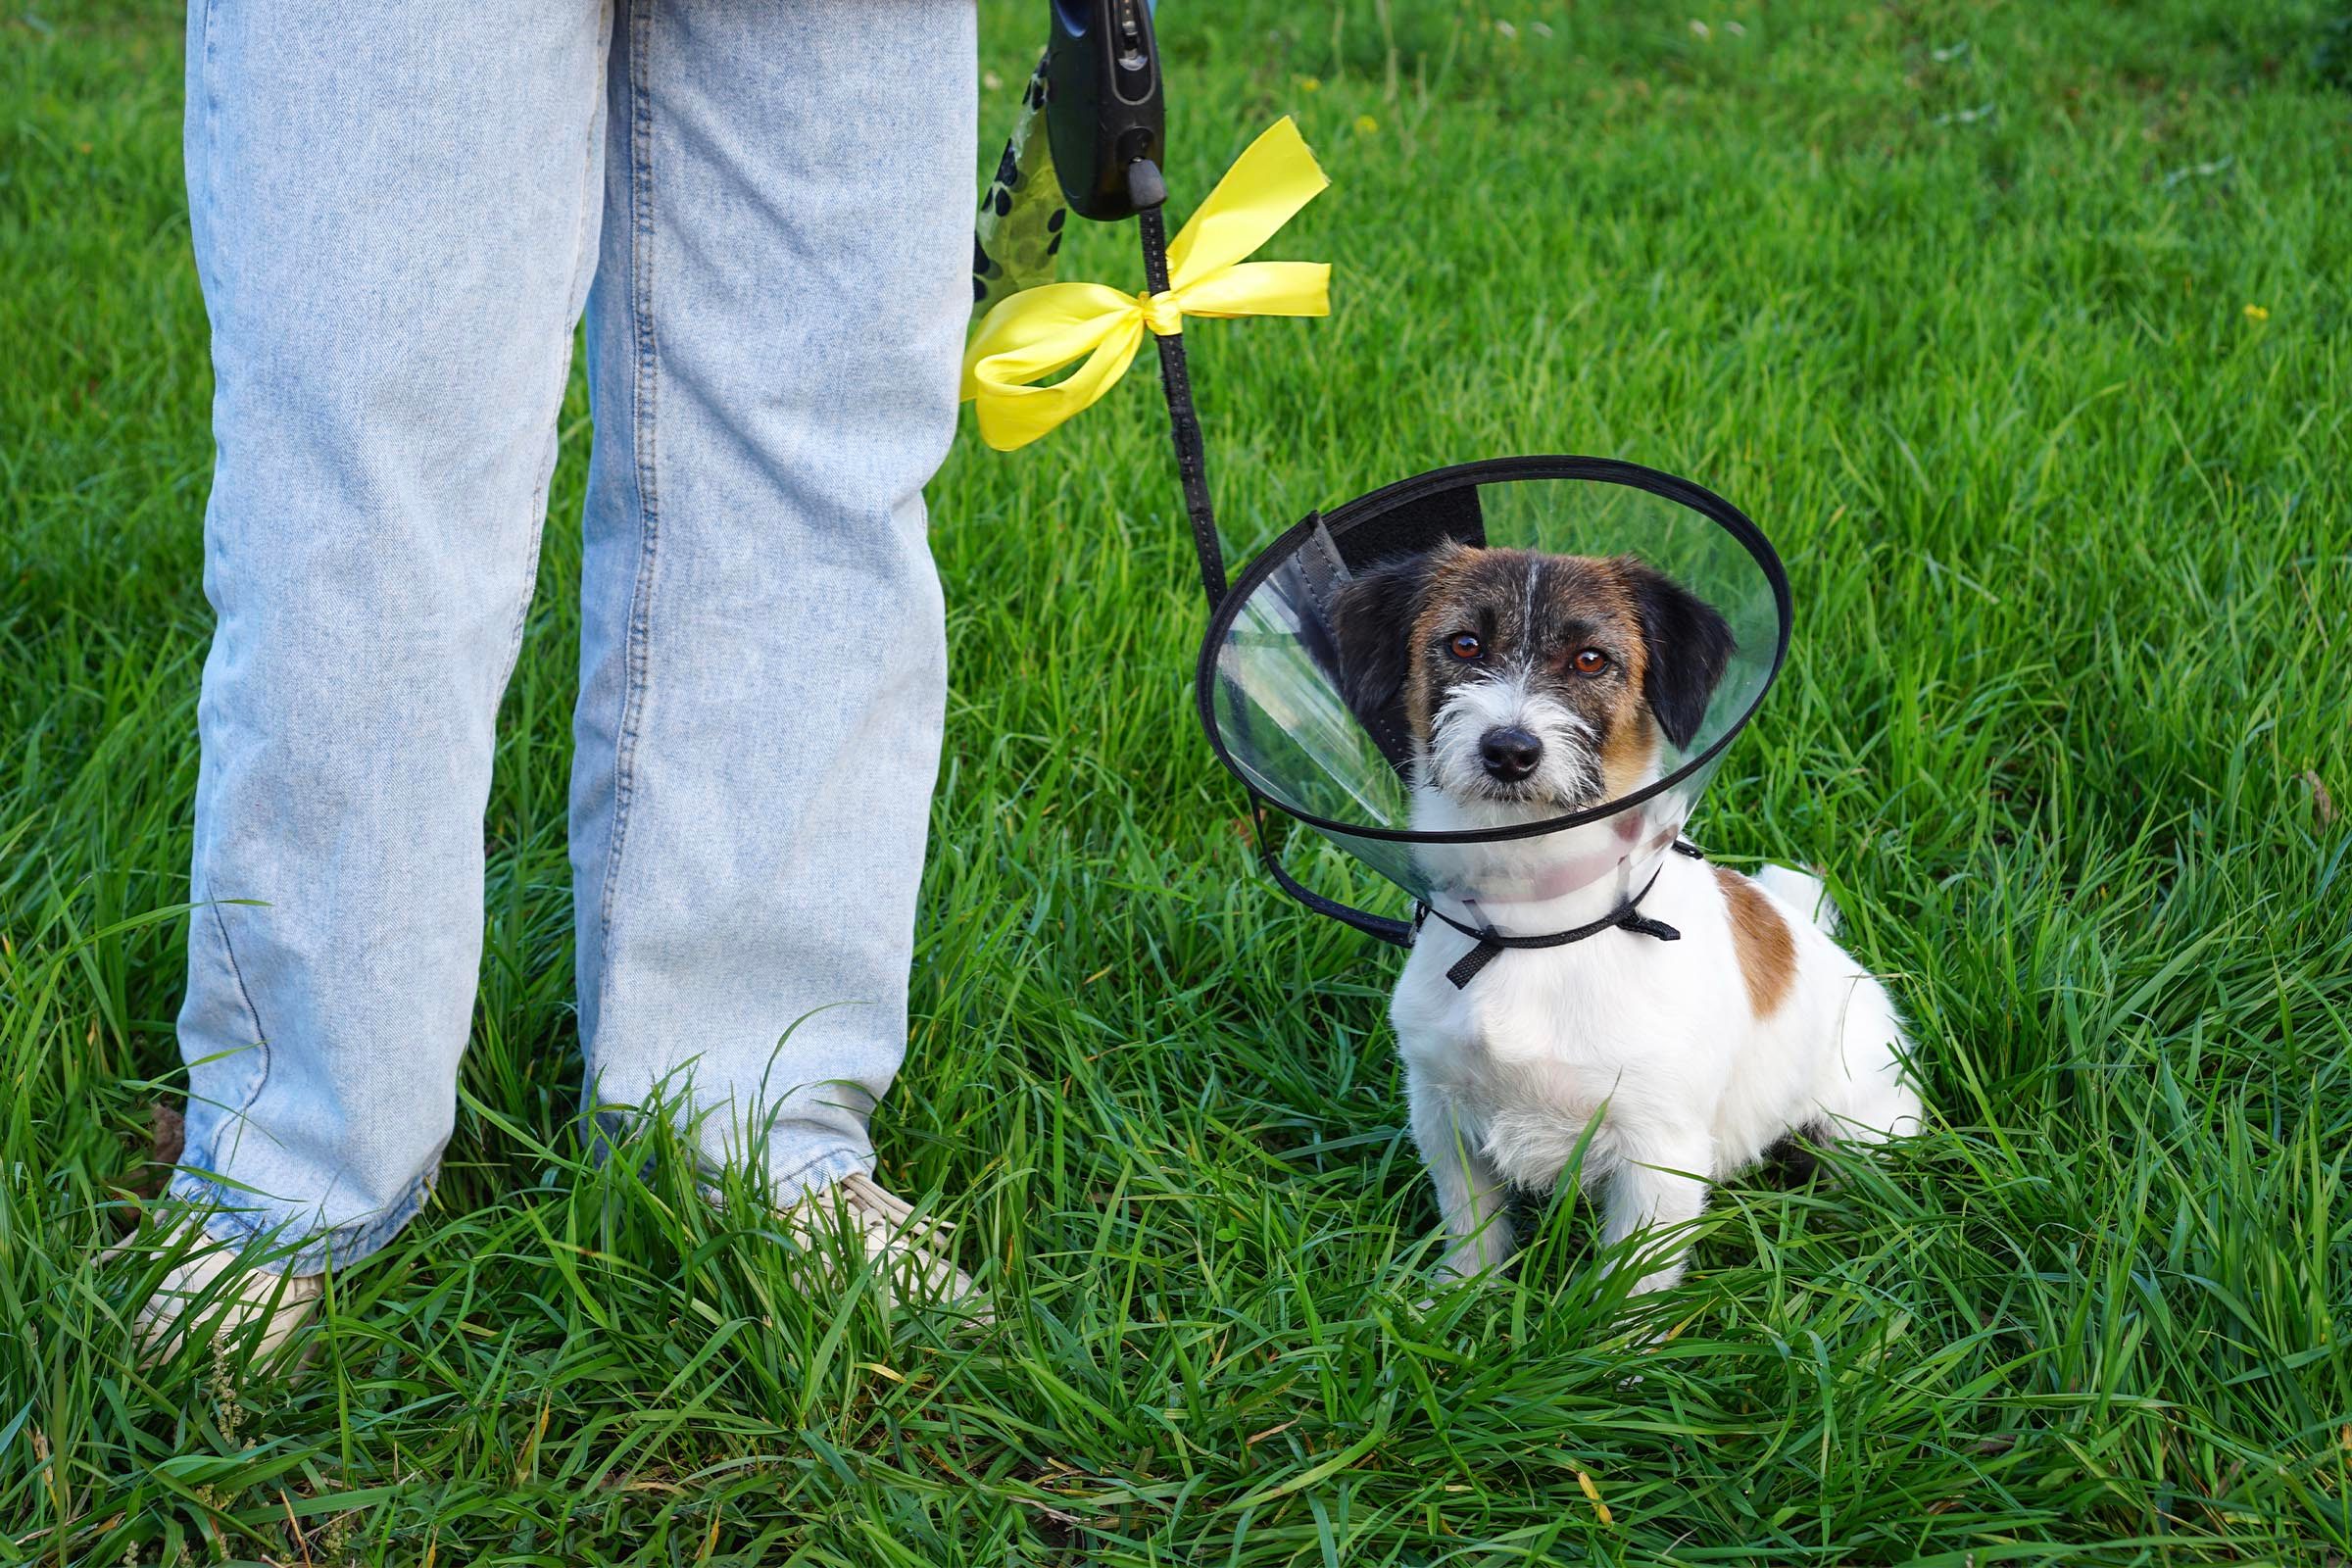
1954 299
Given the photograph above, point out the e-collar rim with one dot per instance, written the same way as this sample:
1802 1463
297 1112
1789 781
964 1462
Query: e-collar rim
1348 515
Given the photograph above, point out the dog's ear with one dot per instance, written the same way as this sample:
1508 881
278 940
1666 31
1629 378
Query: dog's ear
1372 621
1686 646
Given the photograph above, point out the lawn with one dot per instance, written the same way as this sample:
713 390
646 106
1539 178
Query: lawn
2023 330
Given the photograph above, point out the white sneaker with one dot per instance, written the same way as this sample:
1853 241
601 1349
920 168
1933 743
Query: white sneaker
912 1254
212 1289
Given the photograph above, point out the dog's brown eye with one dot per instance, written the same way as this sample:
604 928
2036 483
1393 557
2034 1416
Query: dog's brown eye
1466 645
1589 662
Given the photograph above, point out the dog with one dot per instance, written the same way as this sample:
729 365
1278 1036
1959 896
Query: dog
1533 686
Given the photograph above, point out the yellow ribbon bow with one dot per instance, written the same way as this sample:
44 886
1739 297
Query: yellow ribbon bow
1038 332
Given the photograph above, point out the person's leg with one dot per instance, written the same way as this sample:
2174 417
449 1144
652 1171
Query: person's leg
774 334
395 210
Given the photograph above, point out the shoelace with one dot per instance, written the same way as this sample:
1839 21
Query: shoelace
876 1202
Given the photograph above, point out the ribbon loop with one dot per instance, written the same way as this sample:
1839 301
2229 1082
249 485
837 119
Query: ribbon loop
1038 331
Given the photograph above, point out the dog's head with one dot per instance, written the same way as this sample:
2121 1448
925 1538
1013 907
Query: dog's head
1529 681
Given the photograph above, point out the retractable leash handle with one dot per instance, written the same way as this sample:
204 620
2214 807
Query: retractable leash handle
1103 109
1108 125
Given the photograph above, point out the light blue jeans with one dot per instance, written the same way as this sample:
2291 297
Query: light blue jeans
400 209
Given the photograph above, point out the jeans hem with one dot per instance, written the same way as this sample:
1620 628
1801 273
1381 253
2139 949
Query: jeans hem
234 1217
813 1176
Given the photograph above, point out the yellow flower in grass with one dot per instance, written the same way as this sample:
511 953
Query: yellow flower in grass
1307 83
1366 125
2255 312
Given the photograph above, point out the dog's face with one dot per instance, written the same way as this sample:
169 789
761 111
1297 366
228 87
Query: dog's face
1527 679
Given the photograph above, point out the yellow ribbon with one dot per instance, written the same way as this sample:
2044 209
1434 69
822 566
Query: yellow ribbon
1038 332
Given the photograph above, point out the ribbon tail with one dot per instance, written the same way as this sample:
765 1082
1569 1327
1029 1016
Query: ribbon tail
1275 177
1013 414
1261 288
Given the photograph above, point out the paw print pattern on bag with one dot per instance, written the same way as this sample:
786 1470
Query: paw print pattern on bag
1021 212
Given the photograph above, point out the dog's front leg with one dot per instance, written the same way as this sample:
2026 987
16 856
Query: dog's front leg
1471 1192
1660 1187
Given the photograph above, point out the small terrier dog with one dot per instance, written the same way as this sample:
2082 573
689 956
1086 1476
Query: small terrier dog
1533 686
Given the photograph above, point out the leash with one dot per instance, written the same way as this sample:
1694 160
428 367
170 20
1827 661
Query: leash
1090 140
1627 917
1150 192
1096 99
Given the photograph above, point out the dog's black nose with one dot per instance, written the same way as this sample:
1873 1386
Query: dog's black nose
1510 755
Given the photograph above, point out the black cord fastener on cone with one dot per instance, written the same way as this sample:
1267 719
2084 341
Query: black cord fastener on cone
1627 917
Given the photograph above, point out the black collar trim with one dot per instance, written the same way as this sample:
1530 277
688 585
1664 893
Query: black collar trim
1492 943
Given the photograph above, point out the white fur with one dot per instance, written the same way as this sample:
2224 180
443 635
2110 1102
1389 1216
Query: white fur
1646 1052
1570 768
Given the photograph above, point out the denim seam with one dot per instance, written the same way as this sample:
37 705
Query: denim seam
208 108
207 77
342 1245
642 416
530 565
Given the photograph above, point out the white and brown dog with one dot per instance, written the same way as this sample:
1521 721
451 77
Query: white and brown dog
1533 686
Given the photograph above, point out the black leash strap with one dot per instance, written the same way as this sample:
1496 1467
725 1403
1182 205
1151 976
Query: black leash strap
1625 916
1149 192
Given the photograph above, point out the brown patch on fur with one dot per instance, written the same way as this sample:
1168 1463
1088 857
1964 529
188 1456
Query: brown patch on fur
1630 748
1628 742
1760 937
1441 608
